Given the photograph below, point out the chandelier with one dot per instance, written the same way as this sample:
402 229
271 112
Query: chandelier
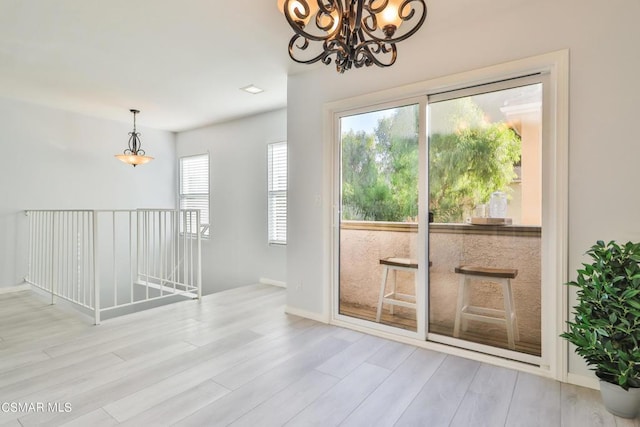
356 33
134 155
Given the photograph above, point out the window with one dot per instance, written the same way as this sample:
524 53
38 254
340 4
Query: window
277 192
194 188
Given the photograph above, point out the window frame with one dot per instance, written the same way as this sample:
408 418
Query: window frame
555 204
205 225
273 235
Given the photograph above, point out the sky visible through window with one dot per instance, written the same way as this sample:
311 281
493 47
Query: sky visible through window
364 122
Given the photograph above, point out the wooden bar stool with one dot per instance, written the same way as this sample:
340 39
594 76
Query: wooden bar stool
465 311
394 298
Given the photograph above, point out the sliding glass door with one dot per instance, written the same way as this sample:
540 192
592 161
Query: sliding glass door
485 193
379 216
440 218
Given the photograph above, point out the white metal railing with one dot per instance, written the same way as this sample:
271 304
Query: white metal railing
104 260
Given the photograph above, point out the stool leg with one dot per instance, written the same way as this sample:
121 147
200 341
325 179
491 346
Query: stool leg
383 285
459 307
415 290
465 303
392 294
516 333
508 311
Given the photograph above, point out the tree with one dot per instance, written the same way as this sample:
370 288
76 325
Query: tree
469 159
469 163
397 143
365 194
380 170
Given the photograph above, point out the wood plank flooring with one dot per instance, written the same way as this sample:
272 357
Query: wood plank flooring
237 359
407 321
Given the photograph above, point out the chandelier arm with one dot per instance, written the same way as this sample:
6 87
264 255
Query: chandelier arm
304 46
327 10
367 53
133 144
371 27
296 22
370 8
356 14
341 49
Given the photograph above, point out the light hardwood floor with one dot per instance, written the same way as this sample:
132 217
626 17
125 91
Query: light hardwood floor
237 359
407 321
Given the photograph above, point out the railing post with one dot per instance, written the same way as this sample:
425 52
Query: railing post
199 249
96 270
115 268
53 282
27 278
132 215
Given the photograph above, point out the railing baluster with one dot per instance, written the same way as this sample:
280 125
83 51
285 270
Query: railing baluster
96 269
131 278
147 250
89 258
191 241
177 249
36 247
115 271
199 256
74 259
81 256
160 246
54 284
68 255
138 244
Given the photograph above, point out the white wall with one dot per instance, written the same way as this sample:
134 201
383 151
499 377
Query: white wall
52 159
462 35
237 252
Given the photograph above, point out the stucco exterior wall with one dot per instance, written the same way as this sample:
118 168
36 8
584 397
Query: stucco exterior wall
449 247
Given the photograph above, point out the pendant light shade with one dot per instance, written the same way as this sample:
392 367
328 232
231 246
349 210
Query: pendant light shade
134 155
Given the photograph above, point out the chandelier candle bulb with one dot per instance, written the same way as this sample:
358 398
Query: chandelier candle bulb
389 19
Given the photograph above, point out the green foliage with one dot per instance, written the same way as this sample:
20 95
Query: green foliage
606 328
380 170
469 163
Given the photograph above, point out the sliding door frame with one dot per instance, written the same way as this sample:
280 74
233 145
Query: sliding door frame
554 361
421 250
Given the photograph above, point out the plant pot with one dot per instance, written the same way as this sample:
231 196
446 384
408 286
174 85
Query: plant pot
620 402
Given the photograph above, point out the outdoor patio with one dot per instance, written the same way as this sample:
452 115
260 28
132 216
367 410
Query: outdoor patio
363 244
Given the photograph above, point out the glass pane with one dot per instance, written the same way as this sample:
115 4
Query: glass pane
194 174
379 212
485 193
277 192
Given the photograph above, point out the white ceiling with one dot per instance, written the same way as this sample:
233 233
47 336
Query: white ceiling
180 62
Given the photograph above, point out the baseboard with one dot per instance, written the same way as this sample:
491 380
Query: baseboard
318 317
19 288
273 282
583 381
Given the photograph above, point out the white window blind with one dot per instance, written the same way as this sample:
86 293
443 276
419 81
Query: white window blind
194 189
277 192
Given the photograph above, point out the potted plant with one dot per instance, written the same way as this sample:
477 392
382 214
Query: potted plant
606 327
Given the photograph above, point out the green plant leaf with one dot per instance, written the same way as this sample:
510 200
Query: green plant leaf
606 324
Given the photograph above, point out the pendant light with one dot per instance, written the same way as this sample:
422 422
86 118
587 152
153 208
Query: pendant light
134 154
352 33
